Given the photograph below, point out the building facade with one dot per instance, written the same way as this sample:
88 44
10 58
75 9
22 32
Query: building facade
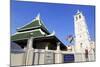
82 38
36 45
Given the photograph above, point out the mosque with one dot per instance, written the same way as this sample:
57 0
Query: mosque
33 44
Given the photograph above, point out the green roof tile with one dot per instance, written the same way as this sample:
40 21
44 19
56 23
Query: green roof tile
25 35
35 24
32 24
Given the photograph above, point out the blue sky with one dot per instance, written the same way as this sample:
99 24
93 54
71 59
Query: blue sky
57 17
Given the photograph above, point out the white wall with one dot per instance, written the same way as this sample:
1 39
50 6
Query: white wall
17 59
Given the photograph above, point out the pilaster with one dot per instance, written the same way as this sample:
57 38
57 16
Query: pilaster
29 52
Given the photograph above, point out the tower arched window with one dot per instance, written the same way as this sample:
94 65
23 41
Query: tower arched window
76 18
79 16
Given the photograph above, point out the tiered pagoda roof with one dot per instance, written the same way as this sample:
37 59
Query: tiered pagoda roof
33 29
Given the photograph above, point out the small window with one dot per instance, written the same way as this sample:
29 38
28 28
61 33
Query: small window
76 18
79 16
86 54
81 44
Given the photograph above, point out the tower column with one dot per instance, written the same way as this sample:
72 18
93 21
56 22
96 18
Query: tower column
29 52
58 55
46 47
82 40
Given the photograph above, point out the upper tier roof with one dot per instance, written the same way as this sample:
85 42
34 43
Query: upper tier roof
34 24
35 27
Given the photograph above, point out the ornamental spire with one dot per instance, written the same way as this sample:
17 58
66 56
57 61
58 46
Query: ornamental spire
52 34
78 11
38 16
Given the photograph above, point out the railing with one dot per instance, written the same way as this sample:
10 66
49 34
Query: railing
41 56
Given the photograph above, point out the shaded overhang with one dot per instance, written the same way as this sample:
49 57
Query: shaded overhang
51 39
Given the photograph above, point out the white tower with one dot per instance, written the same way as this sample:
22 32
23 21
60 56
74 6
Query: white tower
82 38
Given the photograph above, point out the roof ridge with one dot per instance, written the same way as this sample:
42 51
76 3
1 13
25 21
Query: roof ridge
36 18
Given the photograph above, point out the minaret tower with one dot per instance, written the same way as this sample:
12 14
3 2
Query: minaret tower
82 38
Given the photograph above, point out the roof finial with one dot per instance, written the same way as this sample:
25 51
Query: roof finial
78 11
52 34
38 16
